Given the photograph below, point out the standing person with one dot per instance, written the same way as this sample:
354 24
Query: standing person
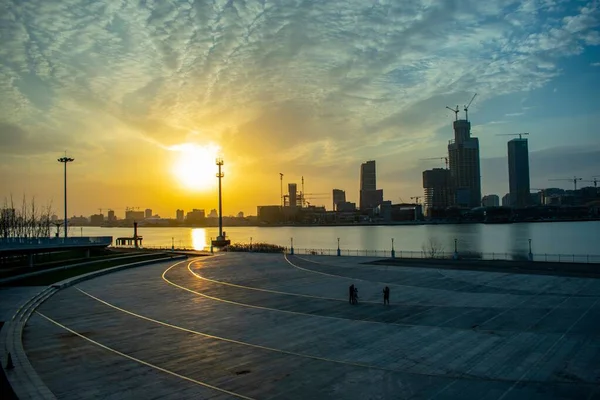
386 295
351 294
355 295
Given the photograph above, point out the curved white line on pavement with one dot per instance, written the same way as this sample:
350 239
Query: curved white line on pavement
291 353
317 315
354 364
144 362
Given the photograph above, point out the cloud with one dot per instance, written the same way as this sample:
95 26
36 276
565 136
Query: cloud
312 83
596 64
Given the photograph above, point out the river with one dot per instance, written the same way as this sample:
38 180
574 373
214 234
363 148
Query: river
547 237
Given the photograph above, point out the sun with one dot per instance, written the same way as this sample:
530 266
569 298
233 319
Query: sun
194 165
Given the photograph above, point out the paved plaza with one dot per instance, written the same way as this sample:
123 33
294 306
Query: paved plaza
269 326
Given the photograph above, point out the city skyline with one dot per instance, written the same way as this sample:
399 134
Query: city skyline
143 96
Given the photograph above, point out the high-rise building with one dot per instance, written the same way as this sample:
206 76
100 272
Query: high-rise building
490 200
213 214
518 172
111 216
339 196
293 194
194 216
148 213
463 152
437 187
370 196
506 200
179 215
134 215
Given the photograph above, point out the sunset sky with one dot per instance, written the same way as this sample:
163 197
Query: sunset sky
142 93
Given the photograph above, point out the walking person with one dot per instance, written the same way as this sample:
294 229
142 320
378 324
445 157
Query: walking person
355 295
351 294
386 295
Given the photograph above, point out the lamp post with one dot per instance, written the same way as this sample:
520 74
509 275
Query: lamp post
455 249
530 255
393 251
220 176
172 243
339 252
66 160
292 246
250 243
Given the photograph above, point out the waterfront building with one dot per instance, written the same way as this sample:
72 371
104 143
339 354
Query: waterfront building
132 215
293 195
370 196
518 172
339 196
346 206
463 157
437 187
240 214
213 214
111 216
506 200
148 213
97 219
195 216
490 200
179 215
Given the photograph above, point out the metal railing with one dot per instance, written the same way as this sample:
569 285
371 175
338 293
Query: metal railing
545 257
21 243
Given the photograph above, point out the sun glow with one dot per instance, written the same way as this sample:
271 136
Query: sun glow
194 165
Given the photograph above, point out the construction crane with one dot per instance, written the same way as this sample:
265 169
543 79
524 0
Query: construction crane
574 180
416 199
467 107
454 111
438 158
594 180
281 188
514 134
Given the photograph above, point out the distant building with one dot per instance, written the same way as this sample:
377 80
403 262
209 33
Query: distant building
195 216
490 200
134 215
213 214
506 200
437 187
97 219
346 206
240 214
339 196
293 195
463 152
111 216
518 172
370 196
148 213
269 214
384 210
179 215
407 212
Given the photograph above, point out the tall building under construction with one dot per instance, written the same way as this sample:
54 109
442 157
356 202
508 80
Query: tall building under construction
437 187
463 154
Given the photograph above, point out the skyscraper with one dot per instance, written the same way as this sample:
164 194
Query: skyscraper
293 193
437 187
463 152
370 197
339 196
518 172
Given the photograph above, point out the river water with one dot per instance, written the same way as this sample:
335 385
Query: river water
547 237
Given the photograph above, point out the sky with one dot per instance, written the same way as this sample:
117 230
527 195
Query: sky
144 95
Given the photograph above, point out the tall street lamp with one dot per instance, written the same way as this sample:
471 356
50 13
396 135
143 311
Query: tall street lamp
66 160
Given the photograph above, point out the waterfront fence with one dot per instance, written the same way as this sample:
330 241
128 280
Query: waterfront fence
427 254
545 257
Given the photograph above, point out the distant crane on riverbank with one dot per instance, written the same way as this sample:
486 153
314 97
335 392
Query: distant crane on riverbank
574 180
437 158
514 134
594 180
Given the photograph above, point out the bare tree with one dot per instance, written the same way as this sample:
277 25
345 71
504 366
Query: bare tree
28 221
434 248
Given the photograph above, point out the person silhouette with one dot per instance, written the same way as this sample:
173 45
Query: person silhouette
386 295
351 294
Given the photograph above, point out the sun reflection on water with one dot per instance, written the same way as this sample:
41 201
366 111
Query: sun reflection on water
199 239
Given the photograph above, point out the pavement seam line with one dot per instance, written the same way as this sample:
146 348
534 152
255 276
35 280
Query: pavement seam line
142 361
243 343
